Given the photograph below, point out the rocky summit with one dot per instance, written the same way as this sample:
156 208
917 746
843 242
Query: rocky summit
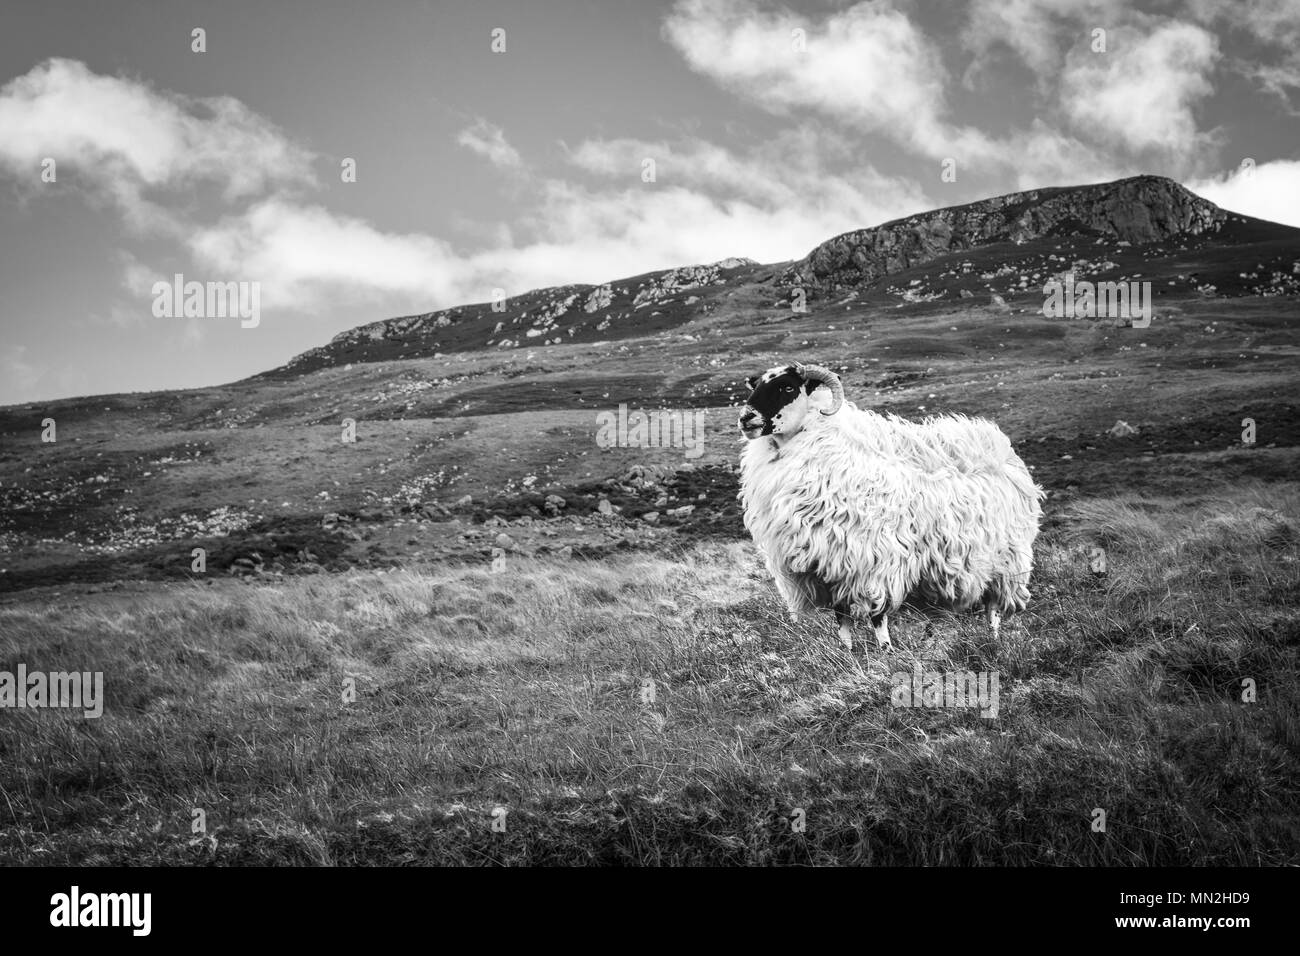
1141 209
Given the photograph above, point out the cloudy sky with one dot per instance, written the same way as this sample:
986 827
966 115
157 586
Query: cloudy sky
771 127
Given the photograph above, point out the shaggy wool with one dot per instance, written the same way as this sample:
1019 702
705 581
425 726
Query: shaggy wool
871 510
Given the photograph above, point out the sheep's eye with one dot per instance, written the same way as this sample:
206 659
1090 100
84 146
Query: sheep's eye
787 388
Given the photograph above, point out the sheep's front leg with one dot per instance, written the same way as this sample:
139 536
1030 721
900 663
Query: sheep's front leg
880 626
994 618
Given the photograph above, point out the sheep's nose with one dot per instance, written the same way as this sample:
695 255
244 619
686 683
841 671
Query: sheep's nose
748 416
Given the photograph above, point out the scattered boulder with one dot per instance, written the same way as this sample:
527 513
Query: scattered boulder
599 298
250 564
1121 429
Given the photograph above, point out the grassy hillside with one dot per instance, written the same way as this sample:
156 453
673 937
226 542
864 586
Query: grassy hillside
526 689
135 482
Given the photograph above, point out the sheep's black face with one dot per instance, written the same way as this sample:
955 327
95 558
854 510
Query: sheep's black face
777 403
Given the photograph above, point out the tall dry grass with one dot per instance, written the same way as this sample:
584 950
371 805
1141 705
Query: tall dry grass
530 691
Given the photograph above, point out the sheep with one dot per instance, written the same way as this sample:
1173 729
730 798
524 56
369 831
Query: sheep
858 512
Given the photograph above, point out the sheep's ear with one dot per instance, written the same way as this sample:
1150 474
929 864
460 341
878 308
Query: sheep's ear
752 382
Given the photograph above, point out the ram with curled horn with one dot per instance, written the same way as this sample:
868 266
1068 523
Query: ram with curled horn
820 373
859 513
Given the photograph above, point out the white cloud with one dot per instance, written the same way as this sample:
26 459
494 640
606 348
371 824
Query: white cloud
772 201
597 235
1270 191
122 139
307 256
868 65
489 141
132 143
1139 96
872 70
709 203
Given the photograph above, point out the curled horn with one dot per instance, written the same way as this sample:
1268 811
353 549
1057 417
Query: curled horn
819 373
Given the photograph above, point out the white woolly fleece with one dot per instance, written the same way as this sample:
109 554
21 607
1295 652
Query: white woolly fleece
877 509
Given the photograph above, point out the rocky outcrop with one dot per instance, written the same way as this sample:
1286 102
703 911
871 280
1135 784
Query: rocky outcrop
1137 210
667 284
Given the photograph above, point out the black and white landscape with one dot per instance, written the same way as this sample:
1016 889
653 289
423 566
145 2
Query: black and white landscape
472 585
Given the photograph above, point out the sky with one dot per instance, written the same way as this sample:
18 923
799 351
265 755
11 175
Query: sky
516 145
